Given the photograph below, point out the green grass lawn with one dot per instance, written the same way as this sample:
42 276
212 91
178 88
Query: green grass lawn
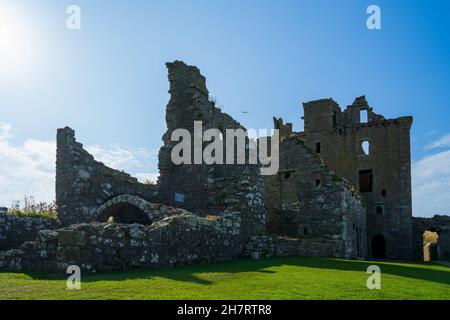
276 278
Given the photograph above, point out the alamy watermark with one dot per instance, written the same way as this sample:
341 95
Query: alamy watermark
374 20
374 280
74 280
73 21
241 147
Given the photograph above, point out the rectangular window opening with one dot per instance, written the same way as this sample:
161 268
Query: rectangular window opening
363 116
317 177
365 181
318 147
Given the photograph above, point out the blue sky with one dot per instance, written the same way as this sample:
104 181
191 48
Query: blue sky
108 80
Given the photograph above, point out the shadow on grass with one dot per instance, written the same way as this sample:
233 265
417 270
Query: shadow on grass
192 273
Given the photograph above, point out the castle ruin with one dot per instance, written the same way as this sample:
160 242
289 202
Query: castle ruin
343 190
373 154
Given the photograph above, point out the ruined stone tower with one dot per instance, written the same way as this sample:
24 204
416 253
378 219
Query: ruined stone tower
206 189
373 153
307 200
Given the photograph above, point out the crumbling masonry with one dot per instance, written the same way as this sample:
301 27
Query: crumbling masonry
373 154
333 196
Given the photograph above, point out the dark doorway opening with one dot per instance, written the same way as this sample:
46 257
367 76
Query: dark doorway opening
365 181
378 247
125 213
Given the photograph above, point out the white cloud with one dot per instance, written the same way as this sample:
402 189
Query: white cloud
121 158
129 160
442 142
25 168
431 185
29 169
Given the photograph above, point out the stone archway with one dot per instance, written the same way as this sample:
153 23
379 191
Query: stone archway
124 213
126 209
430 245
378 247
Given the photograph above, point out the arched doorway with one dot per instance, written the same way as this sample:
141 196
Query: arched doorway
378 247
430 248
124 213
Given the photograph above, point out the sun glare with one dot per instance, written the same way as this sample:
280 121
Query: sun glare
16 42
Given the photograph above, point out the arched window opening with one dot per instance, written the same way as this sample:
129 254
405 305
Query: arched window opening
365 147
379 209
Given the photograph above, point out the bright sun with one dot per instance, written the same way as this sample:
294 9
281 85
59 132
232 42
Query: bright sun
16 42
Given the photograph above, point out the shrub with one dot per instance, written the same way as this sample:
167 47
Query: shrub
28 207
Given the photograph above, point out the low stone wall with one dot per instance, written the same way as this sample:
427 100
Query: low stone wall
15 230
99 247
268 246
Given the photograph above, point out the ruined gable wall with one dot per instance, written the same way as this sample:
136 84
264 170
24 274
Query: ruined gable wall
297 207
84 184
389 159
207 189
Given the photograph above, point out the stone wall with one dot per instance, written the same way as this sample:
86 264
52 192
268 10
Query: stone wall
438 224
84 184
306 199
98 247
337 137
213 188
15 230
271 245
